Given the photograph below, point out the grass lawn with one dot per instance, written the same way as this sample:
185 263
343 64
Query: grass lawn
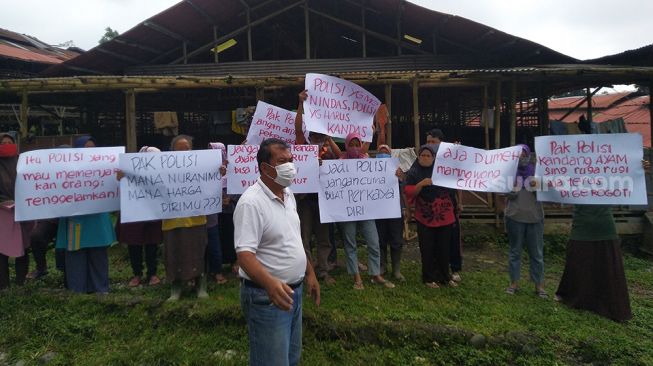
408 325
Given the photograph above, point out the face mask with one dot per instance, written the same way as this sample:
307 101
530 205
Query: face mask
8 150
434 147
285 174
524 161
354 150
383 156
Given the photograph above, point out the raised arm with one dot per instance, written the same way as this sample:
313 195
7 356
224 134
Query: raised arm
299 130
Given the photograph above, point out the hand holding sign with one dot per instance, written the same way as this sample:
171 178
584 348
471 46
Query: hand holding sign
337 107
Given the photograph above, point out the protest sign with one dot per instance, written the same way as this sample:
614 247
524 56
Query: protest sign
471 169
67 182
171 184
591 169
242 170
272 122
358 189
337 107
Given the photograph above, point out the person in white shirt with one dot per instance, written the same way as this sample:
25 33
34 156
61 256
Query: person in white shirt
273 264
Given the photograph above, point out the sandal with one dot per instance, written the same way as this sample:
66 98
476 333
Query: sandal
384 282
511 290
453 283
136 281
154 280
432 285
359 286
542 294
220 279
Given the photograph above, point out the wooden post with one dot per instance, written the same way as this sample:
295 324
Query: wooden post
497 139
484 119
513 113
364 33
249 35
416 112
130 120
24 111
215 44
388 105
543 110
497 116
589 106
307 31
185 49
486 129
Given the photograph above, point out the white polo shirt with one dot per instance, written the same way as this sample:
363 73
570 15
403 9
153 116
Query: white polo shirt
269 228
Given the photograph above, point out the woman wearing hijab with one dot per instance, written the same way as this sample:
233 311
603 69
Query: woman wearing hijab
524 219
391 231
15 236
594 277
184 241
213 248
367 228
85 239
434 213
142 236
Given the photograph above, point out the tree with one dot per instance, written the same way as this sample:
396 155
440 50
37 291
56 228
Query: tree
109 34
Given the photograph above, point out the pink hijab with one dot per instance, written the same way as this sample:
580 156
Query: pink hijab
353 152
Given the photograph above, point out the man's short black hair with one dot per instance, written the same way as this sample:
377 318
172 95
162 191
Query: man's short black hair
265 153
436 132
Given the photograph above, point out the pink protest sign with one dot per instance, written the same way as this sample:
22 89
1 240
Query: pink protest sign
67 182
337 107
591 169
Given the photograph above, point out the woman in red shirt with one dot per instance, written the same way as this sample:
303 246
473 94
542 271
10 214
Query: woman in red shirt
434 213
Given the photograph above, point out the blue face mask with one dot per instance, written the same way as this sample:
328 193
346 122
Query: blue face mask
383 156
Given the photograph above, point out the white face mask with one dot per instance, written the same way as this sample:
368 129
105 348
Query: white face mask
285 174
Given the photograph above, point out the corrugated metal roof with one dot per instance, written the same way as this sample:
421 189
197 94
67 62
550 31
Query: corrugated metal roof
27 48
192 21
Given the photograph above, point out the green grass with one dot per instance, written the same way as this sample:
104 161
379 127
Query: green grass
408 325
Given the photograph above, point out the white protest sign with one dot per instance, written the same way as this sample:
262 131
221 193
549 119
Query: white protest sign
67 182
242 170
337 107
591 169
169 185
271 121
358 189
471 169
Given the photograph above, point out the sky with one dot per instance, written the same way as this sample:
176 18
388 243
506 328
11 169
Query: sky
582 29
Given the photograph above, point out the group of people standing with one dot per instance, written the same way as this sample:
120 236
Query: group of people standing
269 231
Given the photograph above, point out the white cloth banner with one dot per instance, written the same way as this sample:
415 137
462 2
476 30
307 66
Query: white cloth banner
471 169
358 189
242 170
591 169
169 185
67 182
337 107
270 121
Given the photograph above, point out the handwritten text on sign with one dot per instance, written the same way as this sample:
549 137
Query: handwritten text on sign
591 169
472 169
170 185
337 107
242 170
358 189
67 182
271 122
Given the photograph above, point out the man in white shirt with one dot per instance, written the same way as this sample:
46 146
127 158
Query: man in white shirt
272 260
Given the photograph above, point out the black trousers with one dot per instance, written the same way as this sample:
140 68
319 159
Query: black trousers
136 259
41 236
434 249
22 266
